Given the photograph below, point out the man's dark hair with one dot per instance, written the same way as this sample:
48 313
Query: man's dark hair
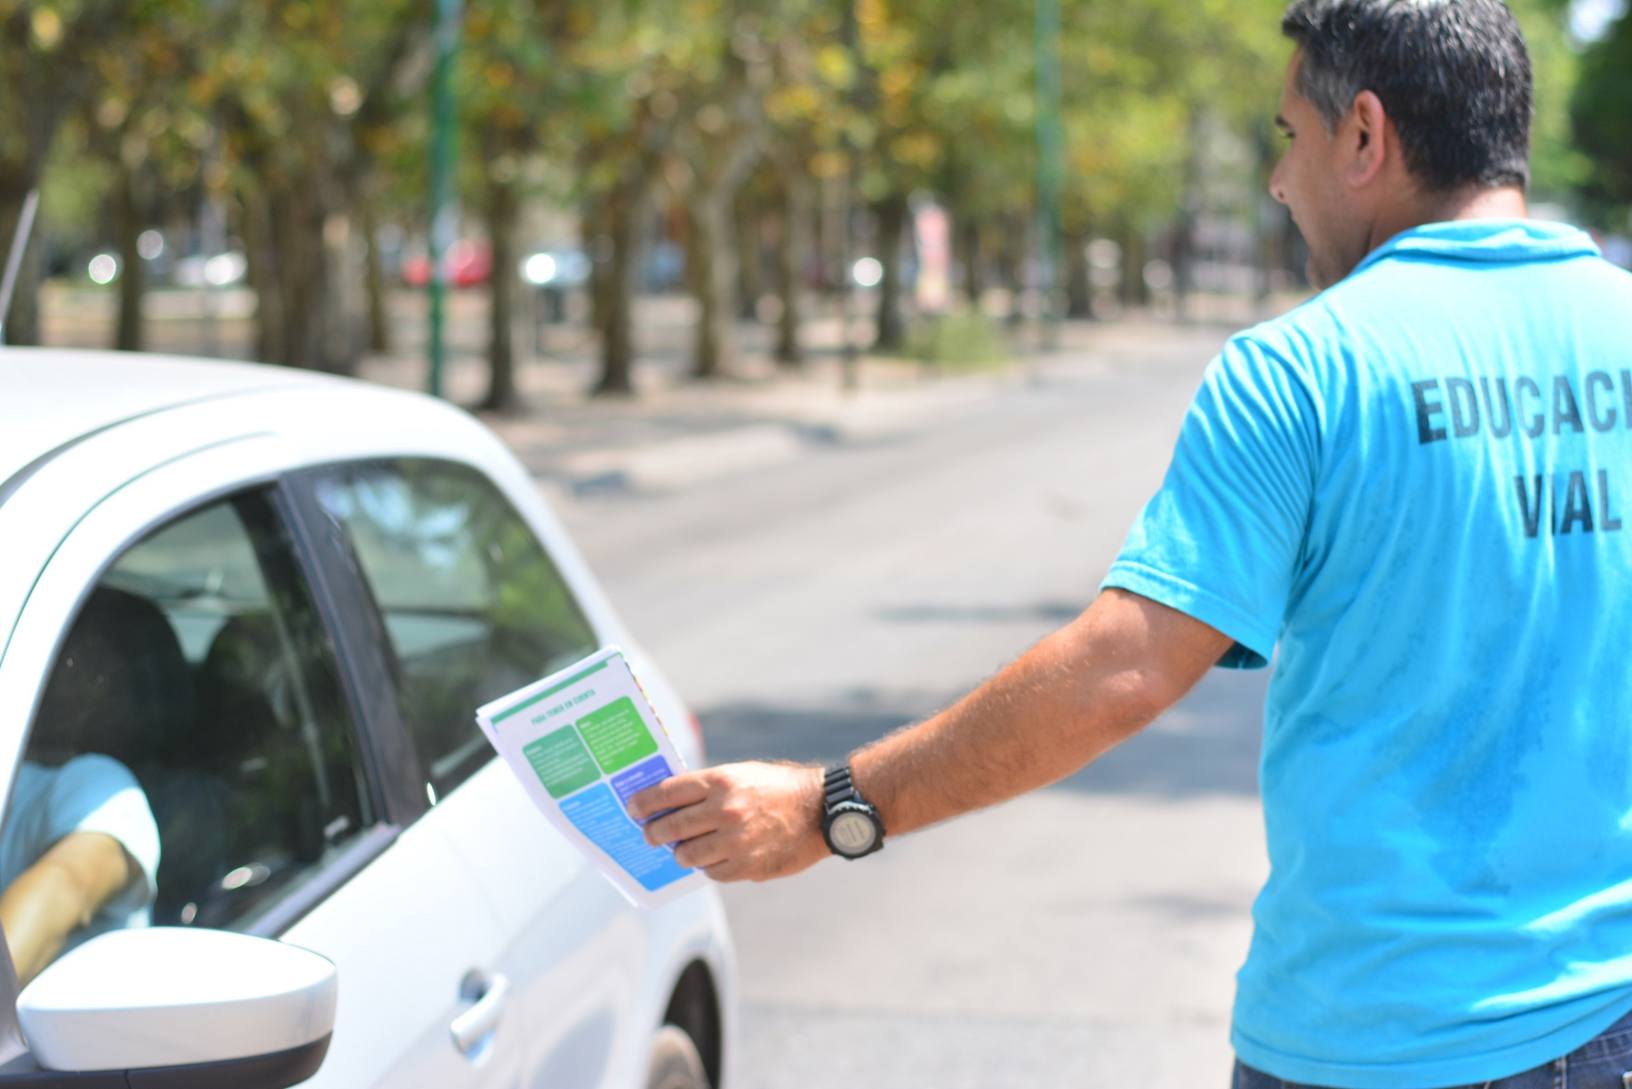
1453 75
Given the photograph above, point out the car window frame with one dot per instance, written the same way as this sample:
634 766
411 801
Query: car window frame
347 610
372 738
378 737
365 620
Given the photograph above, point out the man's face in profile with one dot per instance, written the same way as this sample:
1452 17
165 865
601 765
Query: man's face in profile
1308 180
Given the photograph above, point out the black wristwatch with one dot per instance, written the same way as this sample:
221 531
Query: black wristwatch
850 824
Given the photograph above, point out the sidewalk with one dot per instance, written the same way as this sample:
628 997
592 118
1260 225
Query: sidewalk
674 432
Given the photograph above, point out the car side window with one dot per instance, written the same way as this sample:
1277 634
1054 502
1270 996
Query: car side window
473 605
193 717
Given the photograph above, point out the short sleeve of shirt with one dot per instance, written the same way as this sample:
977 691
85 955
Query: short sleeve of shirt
1222 539
96 793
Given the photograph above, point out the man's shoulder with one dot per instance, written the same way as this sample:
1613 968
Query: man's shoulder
1385 301
1297 342
92 773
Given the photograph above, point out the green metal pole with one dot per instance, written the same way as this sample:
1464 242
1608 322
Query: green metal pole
444 213
1050 149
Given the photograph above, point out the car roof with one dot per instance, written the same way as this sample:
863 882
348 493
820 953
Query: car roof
52 398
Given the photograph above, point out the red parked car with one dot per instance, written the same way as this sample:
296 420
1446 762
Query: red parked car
469 264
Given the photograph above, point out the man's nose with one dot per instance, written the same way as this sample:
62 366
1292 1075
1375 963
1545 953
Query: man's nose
1275 189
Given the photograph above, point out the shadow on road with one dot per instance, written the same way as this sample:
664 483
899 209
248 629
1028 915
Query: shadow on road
1207 744
1047 612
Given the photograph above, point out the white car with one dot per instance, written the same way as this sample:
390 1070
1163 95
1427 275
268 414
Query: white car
274 600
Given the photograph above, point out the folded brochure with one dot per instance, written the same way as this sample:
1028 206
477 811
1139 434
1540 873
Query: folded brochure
581 742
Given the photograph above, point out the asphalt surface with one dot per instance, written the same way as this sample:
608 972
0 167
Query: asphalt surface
1084 935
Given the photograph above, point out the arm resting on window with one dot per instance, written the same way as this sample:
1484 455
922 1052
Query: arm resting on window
60 893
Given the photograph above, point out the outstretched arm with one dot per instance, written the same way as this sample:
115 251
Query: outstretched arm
60 893
1083 689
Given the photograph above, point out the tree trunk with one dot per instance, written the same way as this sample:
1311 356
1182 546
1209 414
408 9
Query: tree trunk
750 266
1184 230
127 224
974 284
891 213
22 324
710 276
502 210
792 245
1134 291
1015 248
1079 289
255 226
379 321
302 281
615 293
597 246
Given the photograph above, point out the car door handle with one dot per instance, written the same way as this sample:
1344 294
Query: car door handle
487 995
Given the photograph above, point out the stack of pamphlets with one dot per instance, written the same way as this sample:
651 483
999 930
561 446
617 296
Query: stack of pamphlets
581 742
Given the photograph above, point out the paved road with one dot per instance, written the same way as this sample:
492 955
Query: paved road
1085 935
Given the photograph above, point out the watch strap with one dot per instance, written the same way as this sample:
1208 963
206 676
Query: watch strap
838 785
840 796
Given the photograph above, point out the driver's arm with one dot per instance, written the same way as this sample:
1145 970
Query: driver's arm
60 893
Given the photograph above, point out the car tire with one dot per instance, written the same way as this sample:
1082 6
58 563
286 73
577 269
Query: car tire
675 1063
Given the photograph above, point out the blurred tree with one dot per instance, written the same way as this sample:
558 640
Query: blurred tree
45 69
518 85
902 51
1557 165
1601 113
141 124
623 122
808 113
717 71
297 88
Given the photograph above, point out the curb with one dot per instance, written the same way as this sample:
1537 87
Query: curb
796 430
677 463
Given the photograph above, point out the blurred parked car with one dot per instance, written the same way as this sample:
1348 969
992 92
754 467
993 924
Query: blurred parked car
271 601
469 264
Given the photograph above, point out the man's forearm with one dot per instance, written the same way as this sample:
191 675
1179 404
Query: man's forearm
39 910
58 894
1064 702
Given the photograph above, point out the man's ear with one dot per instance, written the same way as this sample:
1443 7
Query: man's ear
1371 139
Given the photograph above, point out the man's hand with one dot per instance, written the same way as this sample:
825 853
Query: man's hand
738 822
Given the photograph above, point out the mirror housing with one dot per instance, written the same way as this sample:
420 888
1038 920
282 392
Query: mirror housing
177 1008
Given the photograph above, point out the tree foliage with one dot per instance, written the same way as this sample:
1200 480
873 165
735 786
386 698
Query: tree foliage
307 121
1601 112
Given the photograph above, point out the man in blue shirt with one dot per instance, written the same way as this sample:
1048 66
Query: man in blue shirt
1412 492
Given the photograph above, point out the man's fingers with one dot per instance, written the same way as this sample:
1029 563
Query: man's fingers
702 852
682 824
672 793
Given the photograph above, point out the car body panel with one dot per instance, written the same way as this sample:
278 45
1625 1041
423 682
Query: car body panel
479 881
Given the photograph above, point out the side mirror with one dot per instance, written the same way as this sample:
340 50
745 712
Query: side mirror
175 1008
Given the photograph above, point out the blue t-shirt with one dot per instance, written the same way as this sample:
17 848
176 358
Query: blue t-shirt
90 793
1416 489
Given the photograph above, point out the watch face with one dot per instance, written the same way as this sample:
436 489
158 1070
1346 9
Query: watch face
852 833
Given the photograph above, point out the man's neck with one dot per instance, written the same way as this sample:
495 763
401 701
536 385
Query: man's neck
1479 202
1472 202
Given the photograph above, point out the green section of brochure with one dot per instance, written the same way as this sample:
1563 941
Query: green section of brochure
617 735
561 762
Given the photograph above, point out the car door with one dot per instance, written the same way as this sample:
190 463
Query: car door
272 778
474 606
